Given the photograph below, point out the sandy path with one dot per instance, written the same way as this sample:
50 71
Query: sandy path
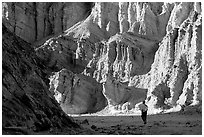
166 124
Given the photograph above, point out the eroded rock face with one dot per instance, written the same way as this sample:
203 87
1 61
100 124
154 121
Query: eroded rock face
176 72
153 46
80 41
131 56
118 93
33 21
123 56
26 101
77 93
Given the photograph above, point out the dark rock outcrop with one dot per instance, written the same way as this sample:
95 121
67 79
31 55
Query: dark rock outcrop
26 100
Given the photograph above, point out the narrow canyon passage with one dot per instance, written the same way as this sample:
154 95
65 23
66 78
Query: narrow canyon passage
77 67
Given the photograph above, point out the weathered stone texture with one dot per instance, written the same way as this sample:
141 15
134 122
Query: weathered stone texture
33 21
77 93
152 48
27 104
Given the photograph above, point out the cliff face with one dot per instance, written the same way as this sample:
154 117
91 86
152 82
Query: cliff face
150 53
136 50
33 21
176 76
27 103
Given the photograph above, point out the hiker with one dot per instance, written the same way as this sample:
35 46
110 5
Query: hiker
74 58
143 107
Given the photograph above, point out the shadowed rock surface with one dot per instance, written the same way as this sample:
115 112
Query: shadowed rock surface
27 103
33 21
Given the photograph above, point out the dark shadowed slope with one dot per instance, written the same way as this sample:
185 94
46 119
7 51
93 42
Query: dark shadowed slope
27 104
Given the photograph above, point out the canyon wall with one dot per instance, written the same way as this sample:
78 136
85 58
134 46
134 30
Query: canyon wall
140 50
33 21
175 77
27 104
135 50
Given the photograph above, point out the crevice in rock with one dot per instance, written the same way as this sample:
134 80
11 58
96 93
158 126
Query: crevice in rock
14 14
35 20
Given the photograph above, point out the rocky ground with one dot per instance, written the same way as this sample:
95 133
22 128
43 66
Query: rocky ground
160 124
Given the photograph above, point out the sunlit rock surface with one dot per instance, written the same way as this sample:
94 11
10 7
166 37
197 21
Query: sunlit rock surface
175 77
155 51
77 93
118 93
150 50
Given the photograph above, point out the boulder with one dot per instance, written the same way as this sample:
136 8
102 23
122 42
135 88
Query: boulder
76 93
